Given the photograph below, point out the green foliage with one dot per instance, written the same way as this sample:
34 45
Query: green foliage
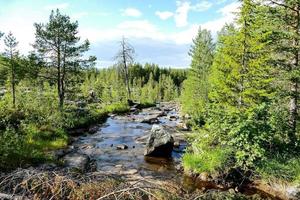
15 151
280 166
209 160
243 103
195 92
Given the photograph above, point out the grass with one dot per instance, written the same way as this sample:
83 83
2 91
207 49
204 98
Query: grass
209 161
116 108
30 140
285 168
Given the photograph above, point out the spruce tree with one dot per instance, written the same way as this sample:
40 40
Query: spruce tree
285 16
241 86
241 74
194 95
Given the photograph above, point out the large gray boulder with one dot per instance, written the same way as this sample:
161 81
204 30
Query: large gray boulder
160 143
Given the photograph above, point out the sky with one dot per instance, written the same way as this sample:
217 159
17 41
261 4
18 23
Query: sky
161 31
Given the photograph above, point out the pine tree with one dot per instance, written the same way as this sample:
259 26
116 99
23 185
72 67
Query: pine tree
195 90
57 42
11 53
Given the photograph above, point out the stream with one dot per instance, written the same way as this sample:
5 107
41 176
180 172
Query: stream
130 131
118 146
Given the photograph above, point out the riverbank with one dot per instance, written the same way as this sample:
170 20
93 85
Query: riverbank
99 165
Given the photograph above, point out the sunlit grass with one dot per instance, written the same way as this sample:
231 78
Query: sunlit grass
208 161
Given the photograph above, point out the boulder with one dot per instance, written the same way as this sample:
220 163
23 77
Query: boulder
182 126
160 143
150 119
76 161
172 117
122 147
93 129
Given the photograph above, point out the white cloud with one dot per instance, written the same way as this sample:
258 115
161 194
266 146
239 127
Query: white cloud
132 12
181 14
164 15
228 16
202 6
184 7
22 28
230 9
57 6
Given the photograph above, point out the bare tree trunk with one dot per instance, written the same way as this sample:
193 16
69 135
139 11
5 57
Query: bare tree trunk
126 70
60 98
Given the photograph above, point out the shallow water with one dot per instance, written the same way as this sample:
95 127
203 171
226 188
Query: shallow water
119 130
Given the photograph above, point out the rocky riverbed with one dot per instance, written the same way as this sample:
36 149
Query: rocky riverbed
118 146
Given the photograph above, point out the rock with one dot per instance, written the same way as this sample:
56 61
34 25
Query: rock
182 126
77 161
172 117
176 144
93 129
133 110
59 153
160 143
150 119
293 192
122 147
129 172
204 176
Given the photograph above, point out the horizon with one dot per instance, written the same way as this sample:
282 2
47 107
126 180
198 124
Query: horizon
159 32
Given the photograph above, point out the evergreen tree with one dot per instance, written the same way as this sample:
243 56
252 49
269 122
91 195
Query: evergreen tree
195 90
57 42
11 53
241 71
285 17
241 86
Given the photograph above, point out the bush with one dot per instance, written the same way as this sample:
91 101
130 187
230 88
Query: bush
15 151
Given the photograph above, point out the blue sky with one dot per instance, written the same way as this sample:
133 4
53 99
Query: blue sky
160 30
